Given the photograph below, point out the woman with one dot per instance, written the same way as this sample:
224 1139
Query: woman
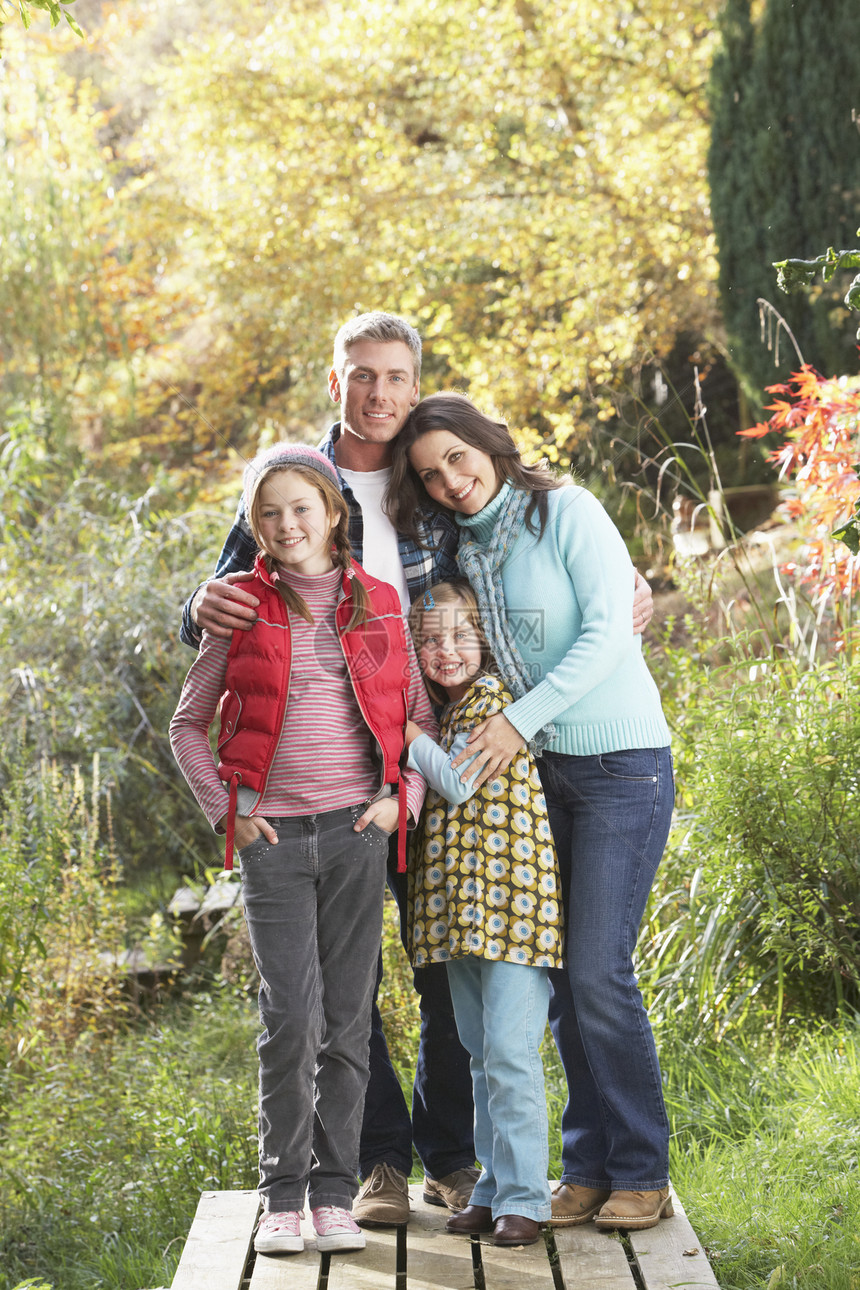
555 587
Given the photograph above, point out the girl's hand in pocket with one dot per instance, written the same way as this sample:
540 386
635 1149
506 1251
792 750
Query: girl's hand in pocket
383 814
249 828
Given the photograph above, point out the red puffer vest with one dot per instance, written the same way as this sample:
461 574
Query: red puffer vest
254 703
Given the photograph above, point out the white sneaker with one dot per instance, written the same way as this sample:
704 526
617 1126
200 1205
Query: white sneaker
280 1233
336 1229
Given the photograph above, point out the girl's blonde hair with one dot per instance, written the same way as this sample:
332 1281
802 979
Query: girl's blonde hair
454 591
337 512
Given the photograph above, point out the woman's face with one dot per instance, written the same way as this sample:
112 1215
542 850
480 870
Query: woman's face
455 474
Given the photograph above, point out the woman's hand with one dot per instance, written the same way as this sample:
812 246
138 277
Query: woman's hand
497 742
249 828
643 604
383 813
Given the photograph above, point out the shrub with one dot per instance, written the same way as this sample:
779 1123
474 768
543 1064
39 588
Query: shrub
757 912
94 580
61 924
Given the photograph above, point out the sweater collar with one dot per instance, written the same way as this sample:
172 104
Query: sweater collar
481 525
302 582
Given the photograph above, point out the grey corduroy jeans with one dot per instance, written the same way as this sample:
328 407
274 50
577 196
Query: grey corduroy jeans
313 906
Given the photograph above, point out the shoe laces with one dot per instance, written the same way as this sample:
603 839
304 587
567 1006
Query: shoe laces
384 1175
331 1218
285 1223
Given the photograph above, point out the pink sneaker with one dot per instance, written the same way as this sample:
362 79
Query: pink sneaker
280 1233
336 1229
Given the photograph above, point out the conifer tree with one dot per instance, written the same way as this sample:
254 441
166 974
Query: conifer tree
784 169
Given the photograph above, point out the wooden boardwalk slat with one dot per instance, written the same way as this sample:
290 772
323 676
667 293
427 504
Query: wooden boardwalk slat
670 1255
216 1252
437 1258
591 1259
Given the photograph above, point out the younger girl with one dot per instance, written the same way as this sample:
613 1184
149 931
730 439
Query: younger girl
313 702
484 902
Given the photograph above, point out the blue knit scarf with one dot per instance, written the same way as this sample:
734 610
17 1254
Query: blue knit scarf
483 567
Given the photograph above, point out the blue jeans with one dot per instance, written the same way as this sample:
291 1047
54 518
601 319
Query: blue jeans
441 1125
610 817
313 905
501 1011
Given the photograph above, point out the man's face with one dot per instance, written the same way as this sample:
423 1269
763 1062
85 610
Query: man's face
377 389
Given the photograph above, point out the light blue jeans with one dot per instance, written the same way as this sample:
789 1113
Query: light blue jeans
501 1011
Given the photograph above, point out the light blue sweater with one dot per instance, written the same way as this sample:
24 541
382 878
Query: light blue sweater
569 599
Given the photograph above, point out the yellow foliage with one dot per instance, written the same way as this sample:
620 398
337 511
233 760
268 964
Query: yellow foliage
525 181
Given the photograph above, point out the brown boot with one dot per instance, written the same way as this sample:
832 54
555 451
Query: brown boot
572 1204
631 1211
453 1190
515 1229
474 1218
383 1200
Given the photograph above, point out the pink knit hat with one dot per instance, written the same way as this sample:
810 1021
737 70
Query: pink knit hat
285 454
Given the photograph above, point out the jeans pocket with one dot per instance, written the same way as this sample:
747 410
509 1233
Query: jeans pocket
255 848
378 831
635 764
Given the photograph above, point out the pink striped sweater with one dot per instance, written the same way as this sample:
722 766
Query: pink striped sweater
323 760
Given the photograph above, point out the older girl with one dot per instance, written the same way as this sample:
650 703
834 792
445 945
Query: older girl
313 703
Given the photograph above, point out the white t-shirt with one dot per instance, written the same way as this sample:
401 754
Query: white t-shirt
381 554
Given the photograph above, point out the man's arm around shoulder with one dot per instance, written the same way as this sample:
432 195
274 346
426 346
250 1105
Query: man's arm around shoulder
220 606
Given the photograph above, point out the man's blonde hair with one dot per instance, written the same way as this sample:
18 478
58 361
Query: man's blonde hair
381 327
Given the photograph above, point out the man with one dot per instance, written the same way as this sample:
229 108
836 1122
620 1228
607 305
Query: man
375 378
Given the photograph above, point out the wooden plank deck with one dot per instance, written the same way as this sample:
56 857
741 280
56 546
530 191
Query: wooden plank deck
218 1255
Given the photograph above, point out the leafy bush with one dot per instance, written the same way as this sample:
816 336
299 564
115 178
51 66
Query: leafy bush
94 580
757 911
61 924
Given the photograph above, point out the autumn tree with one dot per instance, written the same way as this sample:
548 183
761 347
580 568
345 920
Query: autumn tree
27 10
523 180
82 299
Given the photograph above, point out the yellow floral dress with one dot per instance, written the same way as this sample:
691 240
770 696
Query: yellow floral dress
483 877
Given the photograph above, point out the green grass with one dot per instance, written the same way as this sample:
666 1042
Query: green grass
765 1154
104 1150
765 1158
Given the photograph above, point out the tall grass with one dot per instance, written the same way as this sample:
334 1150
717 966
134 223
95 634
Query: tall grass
765 1153
61 923
103 1154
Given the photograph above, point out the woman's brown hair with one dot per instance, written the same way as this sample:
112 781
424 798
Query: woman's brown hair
406 494
337 512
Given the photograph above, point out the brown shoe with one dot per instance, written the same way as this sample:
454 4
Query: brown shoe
383 1200
474 1218
630 1211
454 1190
514 1229
572 1204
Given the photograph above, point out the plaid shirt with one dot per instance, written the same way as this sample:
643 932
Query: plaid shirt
422 565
